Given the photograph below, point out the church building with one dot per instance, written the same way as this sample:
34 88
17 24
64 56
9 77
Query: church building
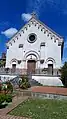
35 49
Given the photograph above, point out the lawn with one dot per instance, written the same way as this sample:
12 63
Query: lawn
42 109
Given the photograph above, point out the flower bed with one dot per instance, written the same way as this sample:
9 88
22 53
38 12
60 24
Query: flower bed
6 90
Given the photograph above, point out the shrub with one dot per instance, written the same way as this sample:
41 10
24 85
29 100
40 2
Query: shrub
8 98
0 87
4 88
2 98
24 83
9 87
63 71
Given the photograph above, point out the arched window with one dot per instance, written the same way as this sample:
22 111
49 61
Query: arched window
50 69
50 64
13 63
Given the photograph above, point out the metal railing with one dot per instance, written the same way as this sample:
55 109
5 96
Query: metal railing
11 71
25 71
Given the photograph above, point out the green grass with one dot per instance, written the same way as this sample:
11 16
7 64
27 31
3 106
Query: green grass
42 109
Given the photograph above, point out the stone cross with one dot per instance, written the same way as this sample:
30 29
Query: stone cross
33 14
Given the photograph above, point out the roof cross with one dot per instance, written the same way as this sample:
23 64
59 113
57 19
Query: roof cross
33 14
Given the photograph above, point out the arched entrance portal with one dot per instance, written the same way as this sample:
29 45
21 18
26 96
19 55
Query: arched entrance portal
32 58
31 66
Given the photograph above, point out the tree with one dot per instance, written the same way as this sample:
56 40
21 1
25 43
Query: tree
2 63
63 71
3 60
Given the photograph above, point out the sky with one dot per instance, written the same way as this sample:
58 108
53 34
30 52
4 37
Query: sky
15 13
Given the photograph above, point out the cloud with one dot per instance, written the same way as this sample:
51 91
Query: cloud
9 32
26 17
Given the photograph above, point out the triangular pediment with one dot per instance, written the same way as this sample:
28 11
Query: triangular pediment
44 28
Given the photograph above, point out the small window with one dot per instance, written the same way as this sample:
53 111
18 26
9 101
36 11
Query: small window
42 44
20 45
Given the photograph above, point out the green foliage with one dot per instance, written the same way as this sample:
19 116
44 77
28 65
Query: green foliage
9 87
24 83
5 98
8 98
4 87
63 71
2 98
42 109
0 87
2 63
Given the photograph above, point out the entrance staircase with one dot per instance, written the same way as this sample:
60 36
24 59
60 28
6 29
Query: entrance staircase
47 80
34 80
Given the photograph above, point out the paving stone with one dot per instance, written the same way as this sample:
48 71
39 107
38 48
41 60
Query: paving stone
12 117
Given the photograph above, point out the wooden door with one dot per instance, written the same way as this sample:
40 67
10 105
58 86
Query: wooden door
31 65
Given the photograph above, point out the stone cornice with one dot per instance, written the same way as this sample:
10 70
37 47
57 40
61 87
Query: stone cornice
60 42
45 29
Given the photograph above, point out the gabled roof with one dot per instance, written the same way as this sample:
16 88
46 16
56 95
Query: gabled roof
41 24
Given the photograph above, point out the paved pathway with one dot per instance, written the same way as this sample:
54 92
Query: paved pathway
16 101
50 90
12 117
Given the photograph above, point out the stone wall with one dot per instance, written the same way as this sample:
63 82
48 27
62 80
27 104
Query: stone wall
48 96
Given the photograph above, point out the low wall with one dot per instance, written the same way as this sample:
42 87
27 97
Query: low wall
48 96
7 77
47 80
33 93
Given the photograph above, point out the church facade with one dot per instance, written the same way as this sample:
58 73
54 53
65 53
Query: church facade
35 49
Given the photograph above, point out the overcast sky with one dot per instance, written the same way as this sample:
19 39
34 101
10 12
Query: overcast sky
15 13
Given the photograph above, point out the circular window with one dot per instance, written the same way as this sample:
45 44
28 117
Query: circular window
32 38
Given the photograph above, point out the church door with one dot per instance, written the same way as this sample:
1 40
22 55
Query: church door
31 65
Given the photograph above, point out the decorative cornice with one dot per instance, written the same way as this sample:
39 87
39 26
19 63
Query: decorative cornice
7 47
14 40
46 30
60 43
